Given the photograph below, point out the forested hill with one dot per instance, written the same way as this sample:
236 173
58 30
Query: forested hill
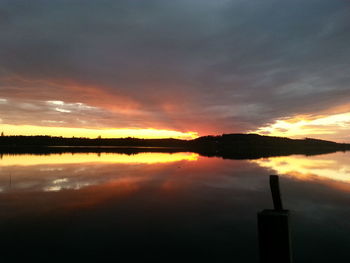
238 146
252 140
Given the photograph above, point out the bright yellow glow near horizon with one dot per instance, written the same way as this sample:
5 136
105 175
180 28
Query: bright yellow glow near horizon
148 133
80 158
300 126
334 167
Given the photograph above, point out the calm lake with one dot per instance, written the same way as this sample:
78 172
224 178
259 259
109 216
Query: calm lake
168 207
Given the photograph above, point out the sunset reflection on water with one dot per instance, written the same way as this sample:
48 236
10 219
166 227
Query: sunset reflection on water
333 169
203 205
57 172
74 171
74 158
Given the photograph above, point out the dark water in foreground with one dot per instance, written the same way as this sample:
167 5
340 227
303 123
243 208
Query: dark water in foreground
168 207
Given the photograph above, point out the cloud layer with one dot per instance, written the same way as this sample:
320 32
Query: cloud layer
207 66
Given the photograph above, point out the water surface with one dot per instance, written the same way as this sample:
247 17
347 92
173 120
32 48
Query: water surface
169 207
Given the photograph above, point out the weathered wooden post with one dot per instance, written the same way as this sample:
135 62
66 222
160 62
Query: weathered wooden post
273 229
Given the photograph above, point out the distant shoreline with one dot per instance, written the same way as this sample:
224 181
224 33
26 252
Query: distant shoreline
112 147
227 146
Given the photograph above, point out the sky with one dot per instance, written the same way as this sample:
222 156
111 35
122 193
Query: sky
184 68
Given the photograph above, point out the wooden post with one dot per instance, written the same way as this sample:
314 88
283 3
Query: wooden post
276 193
273 229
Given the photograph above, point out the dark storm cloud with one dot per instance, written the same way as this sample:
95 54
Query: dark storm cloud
219 65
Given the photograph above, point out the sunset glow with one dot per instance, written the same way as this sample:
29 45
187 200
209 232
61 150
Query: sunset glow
333 127
94 133
179 74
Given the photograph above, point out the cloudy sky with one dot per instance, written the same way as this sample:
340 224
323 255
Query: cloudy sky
278 67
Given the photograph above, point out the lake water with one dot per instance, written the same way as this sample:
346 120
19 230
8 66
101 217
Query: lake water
168 207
